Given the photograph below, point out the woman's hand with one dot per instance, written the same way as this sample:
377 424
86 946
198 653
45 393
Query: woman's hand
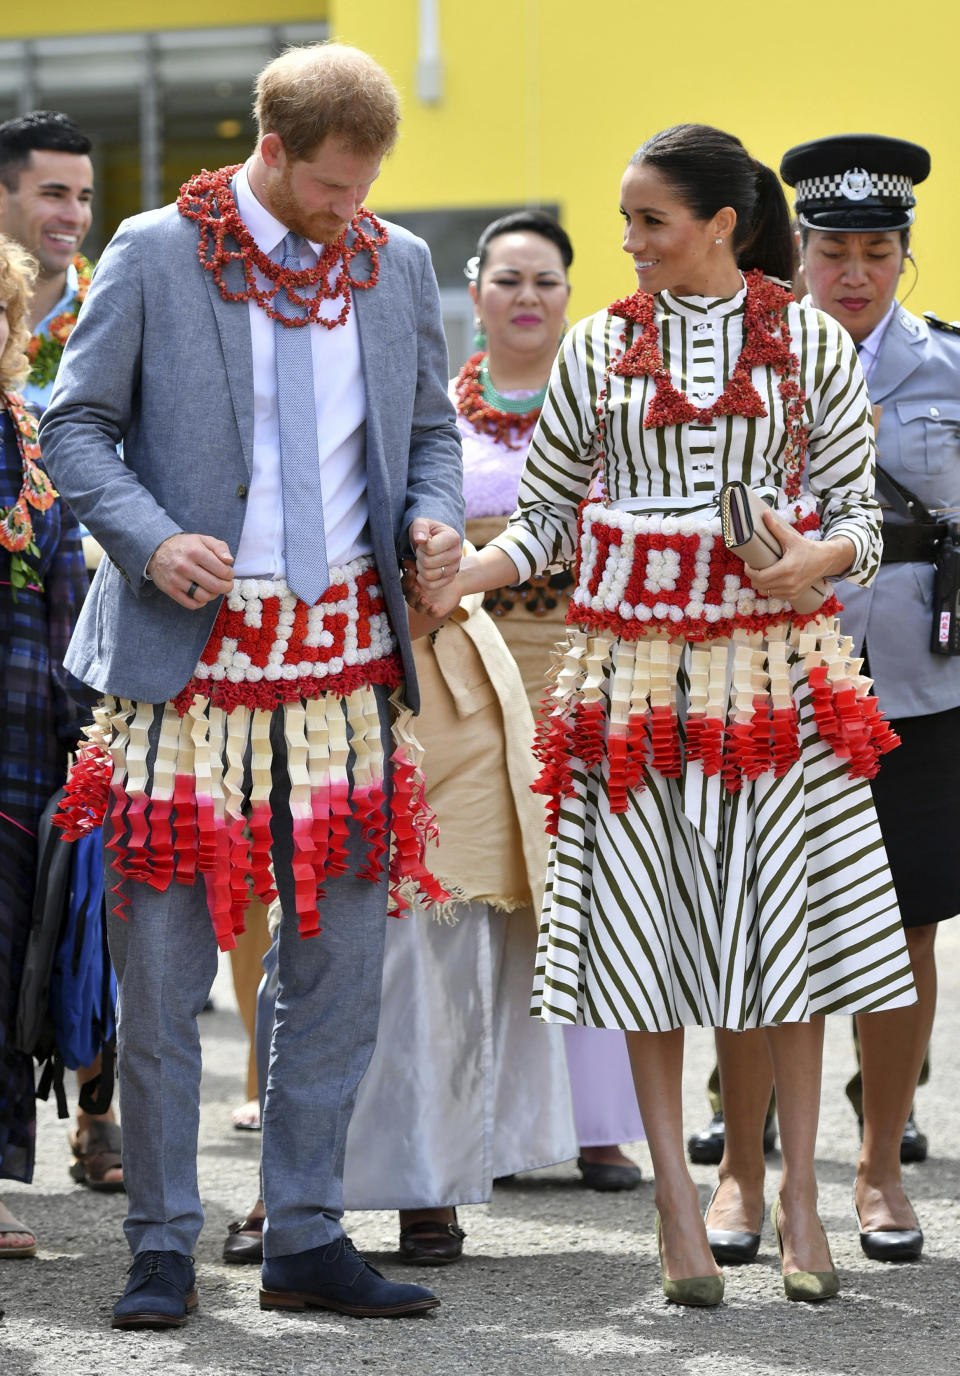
421 621
444 580
803 561
437 603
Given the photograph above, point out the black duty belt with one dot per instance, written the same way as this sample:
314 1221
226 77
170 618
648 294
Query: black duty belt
913 544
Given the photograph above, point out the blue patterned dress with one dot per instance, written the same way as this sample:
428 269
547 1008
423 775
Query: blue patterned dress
42 709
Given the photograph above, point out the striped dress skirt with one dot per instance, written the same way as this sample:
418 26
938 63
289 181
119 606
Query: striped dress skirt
739 887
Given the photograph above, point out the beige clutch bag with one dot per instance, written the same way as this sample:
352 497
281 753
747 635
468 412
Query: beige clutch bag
744 532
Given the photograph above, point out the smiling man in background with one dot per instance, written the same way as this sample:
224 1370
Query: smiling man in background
46 196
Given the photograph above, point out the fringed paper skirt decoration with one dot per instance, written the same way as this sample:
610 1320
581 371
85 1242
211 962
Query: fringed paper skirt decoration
199 801
671 657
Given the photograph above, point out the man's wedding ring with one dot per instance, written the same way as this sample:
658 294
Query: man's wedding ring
191 590
443 570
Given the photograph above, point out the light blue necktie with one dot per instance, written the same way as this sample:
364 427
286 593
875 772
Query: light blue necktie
304 538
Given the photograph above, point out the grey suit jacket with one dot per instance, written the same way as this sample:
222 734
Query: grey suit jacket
916 381
160 362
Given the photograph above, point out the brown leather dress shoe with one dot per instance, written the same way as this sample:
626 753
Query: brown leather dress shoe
429 1243
245 1243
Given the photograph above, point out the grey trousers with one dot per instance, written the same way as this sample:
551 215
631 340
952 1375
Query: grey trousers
327 1011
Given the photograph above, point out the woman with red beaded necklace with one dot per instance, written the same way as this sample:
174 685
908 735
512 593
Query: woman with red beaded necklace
745 886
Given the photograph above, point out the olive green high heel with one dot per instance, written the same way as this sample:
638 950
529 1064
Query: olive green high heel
807 1286
703 1291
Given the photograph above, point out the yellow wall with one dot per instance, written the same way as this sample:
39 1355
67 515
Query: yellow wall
121 16
545 100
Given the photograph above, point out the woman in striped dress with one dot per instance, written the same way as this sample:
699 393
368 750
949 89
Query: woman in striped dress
713 863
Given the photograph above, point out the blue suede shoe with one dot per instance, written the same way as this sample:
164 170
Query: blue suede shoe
160 1292
337 1277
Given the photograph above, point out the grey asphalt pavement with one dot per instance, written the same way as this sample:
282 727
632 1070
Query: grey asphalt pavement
556 1279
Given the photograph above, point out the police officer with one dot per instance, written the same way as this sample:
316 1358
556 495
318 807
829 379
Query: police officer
854 206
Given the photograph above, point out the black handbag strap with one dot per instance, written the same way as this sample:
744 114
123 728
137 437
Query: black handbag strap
904 502
52 1078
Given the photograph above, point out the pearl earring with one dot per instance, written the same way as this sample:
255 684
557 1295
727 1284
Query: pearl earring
718 241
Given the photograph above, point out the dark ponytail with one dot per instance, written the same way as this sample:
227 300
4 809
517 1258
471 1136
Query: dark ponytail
710 169
770 245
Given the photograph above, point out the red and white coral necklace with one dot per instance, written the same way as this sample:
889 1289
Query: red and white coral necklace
208 199
766 344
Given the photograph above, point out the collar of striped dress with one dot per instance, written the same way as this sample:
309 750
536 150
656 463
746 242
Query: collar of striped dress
766 344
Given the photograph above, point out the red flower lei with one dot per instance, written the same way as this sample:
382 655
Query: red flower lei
503 426
766 344
208 199
36 490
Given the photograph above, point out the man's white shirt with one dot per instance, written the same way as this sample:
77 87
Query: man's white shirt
340 397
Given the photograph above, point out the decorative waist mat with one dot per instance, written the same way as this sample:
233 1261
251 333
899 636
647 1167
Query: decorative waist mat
268 647
638 572
538 596
187 784
728 708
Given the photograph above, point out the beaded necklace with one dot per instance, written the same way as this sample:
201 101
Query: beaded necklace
36 490
208 199
489 411
766 343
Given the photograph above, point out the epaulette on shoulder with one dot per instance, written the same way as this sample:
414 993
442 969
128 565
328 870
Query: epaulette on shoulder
935 323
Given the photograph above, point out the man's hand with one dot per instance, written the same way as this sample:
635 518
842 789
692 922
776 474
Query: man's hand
803 561
192 569
438 550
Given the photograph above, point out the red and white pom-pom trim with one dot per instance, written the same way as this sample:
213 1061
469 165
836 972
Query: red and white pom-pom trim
268 647
639 572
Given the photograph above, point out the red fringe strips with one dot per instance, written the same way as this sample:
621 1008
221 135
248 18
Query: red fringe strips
617 700
553 743
184 812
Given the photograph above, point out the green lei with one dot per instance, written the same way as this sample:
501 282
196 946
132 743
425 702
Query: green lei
46 350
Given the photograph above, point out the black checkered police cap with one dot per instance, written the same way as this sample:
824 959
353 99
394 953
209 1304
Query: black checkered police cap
855 183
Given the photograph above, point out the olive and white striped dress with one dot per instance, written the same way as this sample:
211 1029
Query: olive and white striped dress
698 906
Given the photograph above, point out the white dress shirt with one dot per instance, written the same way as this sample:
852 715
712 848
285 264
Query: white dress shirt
869 348
340 398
